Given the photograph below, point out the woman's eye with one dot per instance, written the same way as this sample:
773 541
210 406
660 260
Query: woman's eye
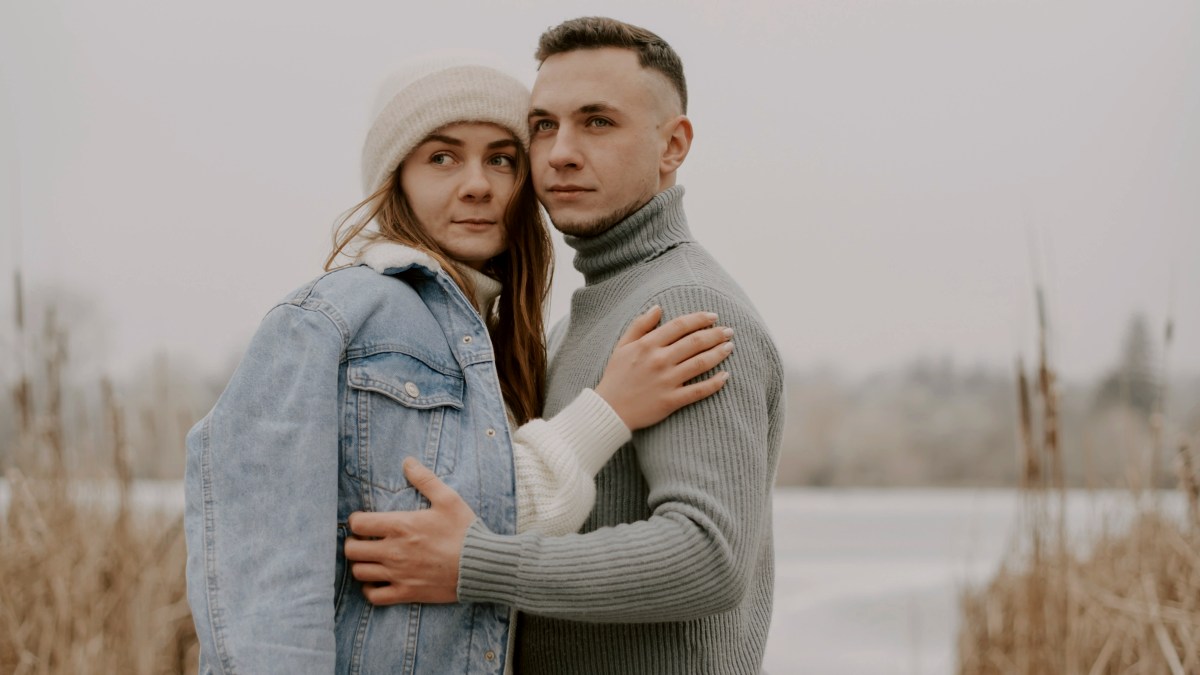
503 160
440 158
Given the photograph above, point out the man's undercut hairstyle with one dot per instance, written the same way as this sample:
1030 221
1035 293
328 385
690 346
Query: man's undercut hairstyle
596 32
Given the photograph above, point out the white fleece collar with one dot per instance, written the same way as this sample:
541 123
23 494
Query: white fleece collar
382 256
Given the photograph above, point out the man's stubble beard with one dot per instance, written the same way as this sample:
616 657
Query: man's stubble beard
597 226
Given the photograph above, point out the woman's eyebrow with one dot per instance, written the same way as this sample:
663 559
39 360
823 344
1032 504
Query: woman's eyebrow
448 140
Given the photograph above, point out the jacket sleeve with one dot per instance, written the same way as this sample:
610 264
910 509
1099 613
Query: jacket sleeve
709 469
261 503
556 462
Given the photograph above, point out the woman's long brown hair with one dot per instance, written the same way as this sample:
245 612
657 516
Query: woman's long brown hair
517 327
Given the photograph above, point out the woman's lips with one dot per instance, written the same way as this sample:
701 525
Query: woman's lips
476 224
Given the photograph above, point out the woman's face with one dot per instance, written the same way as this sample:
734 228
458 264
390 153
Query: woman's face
458 182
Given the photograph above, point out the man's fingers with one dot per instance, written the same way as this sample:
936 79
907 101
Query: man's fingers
362 550
369 524
383 595
427 482
369 572
671 331
703 362
641 324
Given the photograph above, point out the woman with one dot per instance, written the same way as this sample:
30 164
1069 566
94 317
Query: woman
426 348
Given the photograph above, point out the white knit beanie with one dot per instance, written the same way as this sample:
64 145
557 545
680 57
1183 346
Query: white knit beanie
424 96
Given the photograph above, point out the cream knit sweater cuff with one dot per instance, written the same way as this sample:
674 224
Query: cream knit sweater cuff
556 462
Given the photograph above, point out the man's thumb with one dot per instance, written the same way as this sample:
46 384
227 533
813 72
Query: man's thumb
425 481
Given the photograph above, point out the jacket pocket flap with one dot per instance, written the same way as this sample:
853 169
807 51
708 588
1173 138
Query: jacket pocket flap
405 379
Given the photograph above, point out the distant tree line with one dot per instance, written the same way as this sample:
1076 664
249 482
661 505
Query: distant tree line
927 423
932 423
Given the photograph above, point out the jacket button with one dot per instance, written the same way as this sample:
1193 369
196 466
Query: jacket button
466 339
411 389
490 655
490 432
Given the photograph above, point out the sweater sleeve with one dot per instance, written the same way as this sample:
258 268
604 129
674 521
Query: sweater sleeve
556 462
708 468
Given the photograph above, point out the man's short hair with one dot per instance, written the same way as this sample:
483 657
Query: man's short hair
595 32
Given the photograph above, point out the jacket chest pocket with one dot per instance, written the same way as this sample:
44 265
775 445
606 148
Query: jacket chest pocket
401 407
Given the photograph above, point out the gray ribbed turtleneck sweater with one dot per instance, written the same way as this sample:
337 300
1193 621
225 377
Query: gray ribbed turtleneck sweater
674 570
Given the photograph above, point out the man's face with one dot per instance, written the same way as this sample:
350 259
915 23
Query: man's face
597 123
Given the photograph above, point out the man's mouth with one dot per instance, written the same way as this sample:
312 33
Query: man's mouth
567 190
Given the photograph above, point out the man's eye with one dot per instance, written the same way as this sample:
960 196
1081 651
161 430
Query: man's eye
543 125
599 122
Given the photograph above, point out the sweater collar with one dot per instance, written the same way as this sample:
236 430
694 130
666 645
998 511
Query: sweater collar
487 289
646 233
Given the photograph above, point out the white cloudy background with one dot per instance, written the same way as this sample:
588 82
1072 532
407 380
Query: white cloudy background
879 175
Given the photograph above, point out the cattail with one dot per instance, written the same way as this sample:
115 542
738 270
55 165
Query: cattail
1048 610
1189 483
22 390
1031 472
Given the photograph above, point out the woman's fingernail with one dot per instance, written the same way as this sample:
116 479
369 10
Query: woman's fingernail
710 316
728 333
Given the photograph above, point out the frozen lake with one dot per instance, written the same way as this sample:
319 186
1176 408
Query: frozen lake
867 580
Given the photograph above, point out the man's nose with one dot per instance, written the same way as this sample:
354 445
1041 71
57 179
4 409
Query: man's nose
565 153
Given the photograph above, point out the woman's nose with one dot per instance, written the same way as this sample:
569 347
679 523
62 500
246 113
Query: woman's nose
475 185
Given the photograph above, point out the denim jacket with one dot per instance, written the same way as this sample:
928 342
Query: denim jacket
343 380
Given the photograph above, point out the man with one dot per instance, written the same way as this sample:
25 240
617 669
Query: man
673 571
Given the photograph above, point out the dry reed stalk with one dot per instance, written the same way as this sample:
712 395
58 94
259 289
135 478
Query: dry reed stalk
1189 483
1131 606
1131 609
89 589
1031 466
87 585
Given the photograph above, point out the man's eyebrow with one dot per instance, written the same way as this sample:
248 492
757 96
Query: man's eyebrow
583 109
597 108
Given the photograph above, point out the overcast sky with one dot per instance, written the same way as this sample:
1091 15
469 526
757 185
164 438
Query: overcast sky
879 176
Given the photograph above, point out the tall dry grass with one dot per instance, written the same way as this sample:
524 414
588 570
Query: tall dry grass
1130 604
90 581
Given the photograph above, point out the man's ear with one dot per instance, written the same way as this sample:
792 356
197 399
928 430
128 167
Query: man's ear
679 142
